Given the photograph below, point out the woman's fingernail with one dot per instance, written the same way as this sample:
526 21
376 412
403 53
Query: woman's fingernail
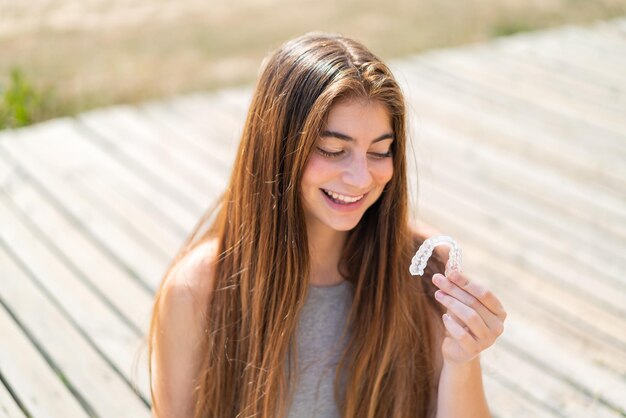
439 294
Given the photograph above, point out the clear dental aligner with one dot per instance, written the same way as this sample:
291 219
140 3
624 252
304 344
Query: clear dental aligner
418 263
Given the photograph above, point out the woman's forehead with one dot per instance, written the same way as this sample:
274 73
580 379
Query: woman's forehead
358 118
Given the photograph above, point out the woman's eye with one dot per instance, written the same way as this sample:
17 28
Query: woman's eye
335 154
382 155
329 154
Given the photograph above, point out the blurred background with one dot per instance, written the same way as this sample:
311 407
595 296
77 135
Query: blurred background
60 57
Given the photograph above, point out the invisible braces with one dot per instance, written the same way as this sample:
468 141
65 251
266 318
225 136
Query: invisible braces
418 263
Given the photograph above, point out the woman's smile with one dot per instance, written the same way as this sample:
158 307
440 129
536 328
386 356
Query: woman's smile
342 202
342 198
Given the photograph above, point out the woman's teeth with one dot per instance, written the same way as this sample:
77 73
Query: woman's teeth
340 198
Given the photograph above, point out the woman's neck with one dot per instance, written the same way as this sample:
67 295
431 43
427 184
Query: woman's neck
325 248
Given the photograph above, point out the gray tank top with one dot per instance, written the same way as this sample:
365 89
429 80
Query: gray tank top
321 323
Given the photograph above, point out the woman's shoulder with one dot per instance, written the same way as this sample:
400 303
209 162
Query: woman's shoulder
178 330
191 278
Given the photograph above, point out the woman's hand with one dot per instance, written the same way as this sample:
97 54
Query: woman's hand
474 319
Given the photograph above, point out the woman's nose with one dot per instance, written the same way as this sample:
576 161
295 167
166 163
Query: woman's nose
357 174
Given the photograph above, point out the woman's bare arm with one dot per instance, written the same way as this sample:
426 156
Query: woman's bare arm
182 326
474 320
461 392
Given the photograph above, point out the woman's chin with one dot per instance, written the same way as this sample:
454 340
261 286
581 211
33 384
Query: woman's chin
344 226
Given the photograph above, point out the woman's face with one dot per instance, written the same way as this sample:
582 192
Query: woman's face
350 165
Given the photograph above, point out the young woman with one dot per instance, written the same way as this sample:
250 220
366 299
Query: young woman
293 297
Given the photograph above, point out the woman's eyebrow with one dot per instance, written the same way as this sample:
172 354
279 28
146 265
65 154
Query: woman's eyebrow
345 137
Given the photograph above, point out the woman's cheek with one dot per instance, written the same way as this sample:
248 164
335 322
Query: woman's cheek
313 170
385 171
323 164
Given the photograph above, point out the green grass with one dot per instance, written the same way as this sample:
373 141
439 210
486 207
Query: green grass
510 28
20 103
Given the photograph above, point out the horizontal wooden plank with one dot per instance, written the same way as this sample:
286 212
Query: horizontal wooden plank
556 236
455 115
157 237
489 74
598 44
511 109
37 386
81 365
210 112
575 59
535 253
542 392
151 136
122 291
549 74
491 133
523 232
114 338
511 172
214 114
8 406
507 402
543 280
137 259
145 166
553 60
521 116
111 172
181 175
212 148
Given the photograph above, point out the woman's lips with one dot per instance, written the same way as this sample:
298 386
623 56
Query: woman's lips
340 205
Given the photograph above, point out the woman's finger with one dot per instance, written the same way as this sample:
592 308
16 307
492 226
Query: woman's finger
493 322
481 293
461 335
467 315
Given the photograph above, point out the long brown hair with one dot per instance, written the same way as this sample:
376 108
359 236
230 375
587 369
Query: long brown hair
261 272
